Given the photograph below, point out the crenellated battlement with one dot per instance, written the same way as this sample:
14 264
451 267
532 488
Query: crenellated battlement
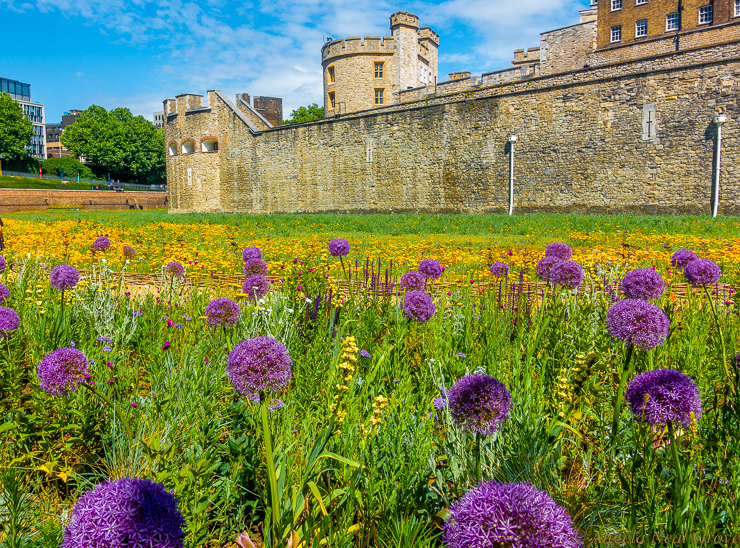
405 19
356 44
532 55
427 34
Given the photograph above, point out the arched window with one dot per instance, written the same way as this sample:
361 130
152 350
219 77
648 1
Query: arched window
188 147
209 145
173 149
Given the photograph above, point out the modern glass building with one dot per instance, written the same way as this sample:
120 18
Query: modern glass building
34 111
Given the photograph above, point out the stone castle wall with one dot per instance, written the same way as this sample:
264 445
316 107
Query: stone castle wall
634 136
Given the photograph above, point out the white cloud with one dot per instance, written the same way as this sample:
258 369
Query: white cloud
273 48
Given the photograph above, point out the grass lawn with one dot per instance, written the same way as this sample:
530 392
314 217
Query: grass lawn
6 181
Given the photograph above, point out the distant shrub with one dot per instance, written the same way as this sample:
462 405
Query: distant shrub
68 166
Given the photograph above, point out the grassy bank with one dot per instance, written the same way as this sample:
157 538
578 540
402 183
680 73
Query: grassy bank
6 181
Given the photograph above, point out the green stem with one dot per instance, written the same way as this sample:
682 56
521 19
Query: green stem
270 464
114 407
679 476
477 459
721 335
620 395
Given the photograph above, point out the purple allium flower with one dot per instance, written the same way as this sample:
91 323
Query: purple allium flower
60 372
276 404
480 404
671 396
643 283
255 267
129 252
702 272
257 365
560 250
250 253
126 512
638 322
256 287
339 247
105 339
430 269
364 354
509 515
500 269
413 281
545 267
461 355
64 277
175 269
418 306
3 264
567 273
682 258
106 349
101 244
9 321
222 312
4 293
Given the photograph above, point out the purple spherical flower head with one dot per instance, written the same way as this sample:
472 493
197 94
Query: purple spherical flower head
418 306
737 361
568 274
682 258
175 269
101 244
500 269
258 365
255 267
222 312
480 404
64 277
256 287
671 396
126 512
250 253
509 515
430 269
129 252
412 280
643 283
638 322
560 250
339 247
9 321
60 372
4 293
545 267
702 272
3 264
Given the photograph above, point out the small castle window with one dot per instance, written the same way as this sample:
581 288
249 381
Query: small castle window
616 5
737 8
332 100
671 22
378 70
617 34
640 2
641 29
173 149
705 15
188 147
332 78
378 96
209 145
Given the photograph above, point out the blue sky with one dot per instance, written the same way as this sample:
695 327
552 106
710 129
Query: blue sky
137 53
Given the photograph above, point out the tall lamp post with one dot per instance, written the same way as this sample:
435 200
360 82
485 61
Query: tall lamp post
719 119
512 140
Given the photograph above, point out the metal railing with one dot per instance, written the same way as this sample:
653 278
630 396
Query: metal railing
48 176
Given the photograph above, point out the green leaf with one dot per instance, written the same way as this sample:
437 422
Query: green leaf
315 491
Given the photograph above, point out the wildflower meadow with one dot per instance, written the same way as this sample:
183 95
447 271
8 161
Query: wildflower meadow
398 381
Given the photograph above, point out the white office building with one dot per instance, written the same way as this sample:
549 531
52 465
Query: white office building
34 111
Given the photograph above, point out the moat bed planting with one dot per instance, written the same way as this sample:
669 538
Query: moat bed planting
348 395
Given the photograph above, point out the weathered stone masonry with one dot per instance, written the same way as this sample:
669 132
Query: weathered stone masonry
634 136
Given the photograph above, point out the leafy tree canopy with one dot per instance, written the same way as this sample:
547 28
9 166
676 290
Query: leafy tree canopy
68 166
305 114
129 147
15 129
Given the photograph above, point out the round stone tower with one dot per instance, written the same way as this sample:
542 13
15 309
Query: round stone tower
363 74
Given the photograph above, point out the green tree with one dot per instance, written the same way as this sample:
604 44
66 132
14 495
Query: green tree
306 114
128 147
68 166
15 129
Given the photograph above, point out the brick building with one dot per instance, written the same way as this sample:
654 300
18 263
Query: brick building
54 146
